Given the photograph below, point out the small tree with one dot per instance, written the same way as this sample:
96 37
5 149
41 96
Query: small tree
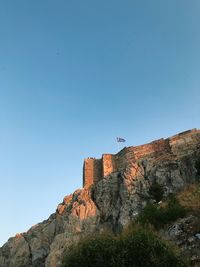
197 166
159 216
156 191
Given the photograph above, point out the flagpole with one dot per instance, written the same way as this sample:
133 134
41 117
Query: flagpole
117 144
119 140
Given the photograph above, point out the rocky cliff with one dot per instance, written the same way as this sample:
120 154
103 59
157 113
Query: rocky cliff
115 190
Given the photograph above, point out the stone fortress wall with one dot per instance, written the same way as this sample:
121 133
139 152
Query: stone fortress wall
180 144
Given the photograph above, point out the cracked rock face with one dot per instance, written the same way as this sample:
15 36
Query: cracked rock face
111 203
44 243
184 234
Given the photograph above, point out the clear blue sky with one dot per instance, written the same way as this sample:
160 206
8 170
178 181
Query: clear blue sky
76 74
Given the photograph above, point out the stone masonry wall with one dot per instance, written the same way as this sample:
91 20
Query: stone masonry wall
92 171
109 164
95 169
185 141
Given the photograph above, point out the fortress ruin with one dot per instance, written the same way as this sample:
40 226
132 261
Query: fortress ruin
96 169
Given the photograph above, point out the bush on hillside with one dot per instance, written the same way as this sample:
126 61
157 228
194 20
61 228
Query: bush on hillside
133 248
156 191
159 216
92 252
197 166
190 197
141 247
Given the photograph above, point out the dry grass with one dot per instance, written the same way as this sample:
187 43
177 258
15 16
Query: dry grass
190 197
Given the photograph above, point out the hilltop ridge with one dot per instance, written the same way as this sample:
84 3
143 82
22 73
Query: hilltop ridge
115 190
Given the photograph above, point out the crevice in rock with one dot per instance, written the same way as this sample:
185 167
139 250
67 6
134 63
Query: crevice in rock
30 251
116 226
92 195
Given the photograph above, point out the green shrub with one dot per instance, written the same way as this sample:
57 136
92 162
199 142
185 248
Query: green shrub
174 210
94 251
149 215
159 216
134 248
141 247
156 191
197 166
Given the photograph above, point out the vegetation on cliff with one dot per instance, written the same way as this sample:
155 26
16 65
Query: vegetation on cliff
135 246
197 165
158 215
190 197
138 245
156 191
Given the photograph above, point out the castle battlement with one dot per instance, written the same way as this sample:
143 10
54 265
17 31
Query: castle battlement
180 144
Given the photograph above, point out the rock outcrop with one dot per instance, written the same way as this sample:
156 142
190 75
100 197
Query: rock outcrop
185 234
115 190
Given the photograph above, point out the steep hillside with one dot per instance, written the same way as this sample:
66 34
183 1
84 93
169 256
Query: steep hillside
116 188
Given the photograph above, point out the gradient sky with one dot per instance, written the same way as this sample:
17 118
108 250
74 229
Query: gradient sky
76 74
